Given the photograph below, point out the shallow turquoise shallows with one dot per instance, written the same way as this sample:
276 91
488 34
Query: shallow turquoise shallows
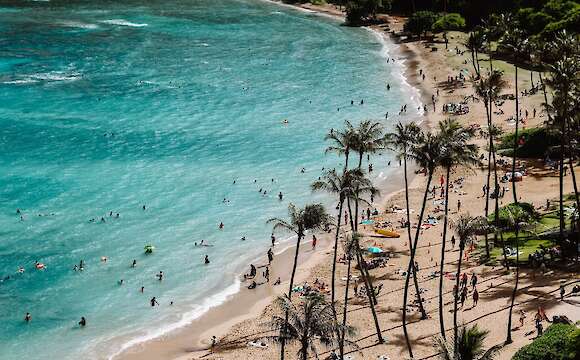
109 106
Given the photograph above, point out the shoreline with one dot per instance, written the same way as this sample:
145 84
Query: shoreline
193 340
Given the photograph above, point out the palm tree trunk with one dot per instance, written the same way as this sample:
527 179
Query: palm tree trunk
489 129
304 347
572 173
496 209
509 324
415 280
443 242
341 342
477 61
515 141
370 290
561 185
412 262
294 265
505 259
333 280
456 292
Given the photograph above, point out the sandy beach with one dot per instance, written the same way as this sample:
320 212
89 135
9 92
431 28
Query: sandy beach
241 319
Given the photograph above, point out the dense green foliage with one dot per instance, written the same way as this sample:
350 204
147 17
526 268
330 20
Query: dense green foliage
559 342
420 22
533 143
449 22
504 212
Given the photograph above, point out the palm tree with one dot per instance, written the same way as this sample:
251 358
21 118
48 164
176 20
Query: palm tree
516 219
311 217
349 252
474 43
564 82
401 141
341 185
468 346
426 155
368 138
488 88
466 228
515 41
341 141
455 151
307 324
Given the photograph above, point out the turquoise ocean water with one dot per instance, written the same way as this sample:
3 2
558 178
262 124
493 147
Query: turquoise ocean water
107 106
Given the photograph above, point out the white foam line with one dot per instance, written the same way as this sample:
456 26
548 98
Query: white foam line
414 93
186 318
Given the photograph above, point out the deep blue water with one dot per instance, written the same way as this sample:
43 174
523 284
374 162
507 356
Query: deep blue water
109 106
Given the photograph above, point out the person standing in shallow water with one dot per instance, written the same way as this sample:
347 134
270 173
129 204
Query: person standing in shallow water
83 322
27 317
153 301
206 260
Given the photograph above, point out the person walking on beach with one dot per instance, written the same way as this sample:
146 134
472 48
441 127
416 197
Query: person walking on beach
313 242
270 256
458 205
273 238
473 280
267 274
522 317
213 343
463 296
475 297
452 242
562 292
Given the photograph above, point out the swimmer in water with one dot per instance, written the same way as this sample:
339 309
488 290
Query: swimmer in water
153 301
121 282
83 322
221 226
160 276
142 289
280 196
206 260
243 238
134 264
27 317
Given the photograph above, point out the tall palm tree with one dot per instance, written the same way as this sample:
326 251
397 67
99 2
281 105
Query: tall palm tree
564 82
309 323
426 155
516 42
488 88
342 186
368 139
401 141
341 141
349 252
455 151
516 220
311 217
466 228
468 346
474 43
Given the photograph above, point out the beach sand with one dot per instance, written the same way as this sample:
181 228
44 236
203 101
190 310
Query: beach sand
242 318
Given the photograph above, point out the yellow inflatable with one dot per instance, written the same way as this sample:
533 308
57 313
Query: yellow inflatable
387 233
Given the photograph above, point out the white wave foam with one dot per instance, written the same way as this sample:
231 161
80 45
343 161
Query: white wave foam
414 95
186 318
55 76
122 22
20 82
78 25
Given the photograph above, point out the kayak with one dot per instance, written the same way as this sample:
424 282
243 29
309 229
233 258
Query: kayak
387 233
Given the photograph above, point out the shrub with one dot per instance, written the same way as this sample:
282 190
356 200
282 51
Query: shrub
449 22
559 342
536 143
504 215
420 22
